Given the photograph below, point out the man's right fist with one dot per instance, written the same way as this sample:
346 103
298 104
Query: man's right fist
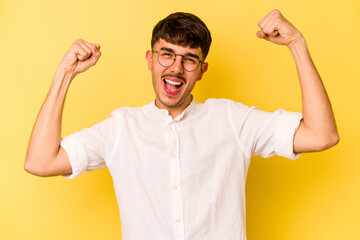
80 57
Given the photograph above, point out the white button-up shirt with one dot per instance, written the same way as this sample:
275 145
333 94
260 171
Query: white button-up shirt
182 178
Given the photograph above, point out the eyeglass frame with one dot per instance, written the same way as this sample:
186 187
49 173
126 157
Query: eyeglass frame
182 60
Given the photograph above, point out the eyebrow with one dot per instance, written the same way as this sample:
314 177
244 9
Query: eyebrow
187 54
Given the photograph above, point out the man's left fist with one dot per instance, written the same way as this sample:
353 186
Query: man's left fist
275 28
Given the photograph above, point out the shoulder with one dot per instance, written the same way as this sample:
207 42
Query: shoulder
223 109
224 104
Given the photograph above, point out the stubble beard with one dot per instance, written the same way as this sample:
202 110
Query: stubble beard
171 105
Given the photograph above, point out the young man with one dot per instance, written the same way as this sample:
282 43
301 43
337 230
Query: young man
179 167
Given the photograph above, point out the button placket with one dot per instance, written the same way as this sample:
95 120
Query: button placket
174 163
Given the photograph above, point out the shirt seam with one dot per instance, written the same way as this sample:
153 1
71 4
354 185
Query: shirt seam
238 138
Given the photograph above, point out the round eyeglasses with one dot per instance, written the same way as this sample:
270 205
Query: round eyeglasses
167 58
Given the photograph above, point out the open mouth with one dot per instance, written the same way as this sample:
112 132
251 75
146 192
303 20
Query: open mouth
172 87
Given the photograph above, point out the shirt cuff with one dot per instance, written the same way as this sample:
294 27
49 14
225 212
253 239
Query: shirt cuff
76 153
286 128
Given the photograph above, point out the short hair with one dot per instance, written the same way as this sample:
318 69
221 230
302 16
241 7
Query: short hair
183 29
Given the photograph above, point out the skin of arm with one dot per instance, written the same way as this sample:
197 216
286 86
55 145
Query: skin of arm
44 156
317 130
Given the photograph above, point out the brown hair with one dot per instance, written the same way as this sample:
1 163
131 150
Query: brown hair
183 29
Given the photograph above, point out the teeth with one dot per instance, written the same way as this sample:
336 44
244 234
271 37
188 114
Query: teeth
173 83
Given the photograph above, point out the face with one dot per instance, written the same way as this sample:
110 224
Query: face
173 84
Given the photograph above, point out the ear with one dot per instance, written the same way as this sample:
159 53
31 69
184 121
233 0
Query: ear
204 68
149 59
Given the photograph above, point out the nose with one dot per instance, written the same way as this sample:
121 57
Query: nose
177 66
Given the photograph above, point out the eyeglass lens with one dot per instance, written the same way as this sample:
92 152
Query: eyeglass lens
167 58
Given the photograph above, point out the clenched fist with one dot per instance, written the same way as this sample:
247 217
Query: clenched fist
275 28
80 57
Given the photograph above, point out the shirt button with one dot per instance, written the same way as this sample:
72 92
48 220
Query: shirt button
178 220
175 187
170 128
173 155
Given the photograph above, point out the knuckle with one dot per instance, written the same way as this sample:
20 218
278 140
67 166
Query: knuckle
276 11
278 22
76 46
93 47
266 30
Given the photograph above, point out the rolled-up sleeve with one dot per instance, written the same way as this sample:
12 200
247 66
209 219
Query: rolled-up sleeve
88 148
77 155
286 127
269 133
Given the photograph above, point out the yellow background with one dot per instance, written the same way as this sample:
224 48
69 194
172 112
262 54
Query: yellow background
315 197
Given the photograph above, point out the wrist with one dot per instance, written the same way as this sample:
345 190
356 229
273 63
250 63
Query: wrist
63 76
61 81
298 43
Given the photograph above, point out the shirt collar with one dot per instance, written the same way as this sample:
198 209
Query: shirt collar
165 113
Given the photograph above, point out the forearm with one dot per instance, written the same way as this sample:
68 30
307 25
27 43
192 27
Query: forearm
46 135
318 118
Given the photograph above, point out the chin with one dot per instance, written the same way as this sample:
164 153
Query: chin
171 101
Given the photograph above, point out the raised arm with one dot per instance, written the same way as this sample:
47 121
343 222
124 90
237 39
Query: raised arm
45 157
317 130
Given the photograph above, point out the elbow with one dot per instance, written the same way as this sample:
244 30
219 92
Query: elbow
328 141
30 168
34 169
336 139
333 139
